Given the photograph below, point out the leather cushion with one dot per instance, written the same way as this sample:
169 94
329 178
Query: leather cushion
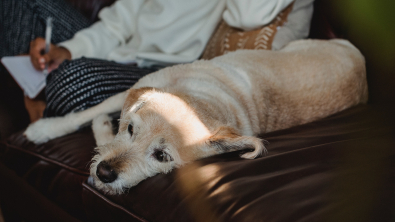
313 172
297 174
325 169
299 166
56 168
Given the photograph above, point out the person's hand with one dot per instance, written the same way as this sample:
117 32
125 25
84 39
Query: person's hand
53 58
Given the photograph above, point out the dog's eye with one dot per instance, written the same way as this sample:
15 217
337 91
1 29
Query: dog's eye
130 129
162 156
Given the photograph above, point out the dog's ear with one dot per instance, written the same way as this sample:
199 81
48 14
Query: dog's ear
131 99
226 139
133 96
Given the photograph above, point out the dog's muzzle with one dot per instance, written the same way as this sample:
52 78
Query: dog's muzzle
105 173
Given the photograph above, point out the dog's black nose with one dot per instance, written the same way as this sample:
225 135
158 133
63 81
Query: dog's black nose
105 173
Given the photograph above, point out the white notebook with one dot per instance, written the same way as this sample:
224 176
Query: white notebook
22 70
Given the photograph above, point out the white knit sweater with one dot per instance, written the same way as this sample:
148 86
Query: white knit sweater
165 32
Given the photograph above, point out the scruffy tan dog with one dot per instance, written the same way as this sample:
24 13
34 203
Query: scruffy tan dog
187 112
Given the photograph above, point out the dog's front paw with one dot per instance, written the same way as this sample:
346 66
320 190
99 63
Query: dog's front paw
102 129
46 129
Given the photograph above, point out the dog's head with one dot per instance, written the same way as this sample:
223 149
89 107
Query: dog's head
160 131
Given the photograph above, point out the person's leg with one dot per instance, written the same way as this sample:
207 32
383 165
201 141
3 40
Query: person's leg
82 83
21 21
24 20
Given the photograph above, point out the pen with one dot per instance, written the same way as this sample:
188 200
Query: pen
48 33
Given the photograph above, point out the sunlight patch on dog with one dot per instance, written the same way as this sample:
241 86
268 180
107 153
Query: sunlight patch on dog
178 114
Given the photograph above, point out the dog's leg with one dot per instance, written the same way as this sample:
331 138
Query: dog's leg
227 140
50 128
102 129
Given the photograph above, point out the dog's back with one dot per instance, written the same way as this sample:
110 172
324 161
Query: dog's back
266 90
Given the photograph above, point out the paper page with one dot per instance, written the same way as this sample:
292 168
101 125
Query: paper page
22 70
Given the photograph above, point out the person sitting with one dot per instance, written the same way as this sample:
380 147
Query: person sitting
89 62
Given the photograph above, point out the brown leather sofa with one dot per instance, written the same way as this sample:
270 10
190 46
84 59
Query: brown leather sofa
340 168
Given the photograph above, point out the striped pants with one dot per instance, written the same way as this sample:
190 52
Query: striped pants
78 84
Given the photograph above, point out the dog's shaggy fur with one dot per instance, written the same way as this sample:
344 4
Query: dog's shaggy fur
186 112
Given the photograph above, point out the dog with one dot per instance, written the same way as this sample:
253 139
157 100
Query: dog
186 112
